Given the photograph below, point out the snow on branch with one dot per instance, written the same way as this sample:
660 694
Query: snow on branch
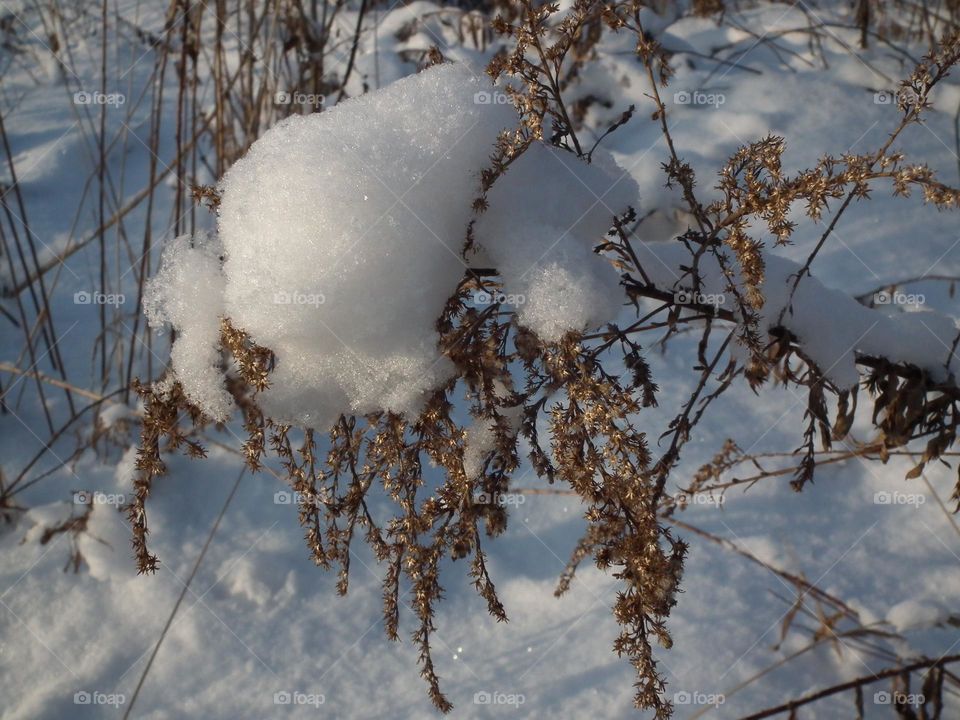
834 329
420 254
342 235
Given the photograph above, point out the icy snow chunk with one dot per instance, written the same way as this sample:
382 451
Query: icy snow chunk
187 294
546 215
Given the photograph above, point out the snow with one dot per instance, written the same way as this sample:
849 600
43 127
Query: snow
831 326
480 438
259 618
915 614
187 294
343 233
546 257
342 236
479 442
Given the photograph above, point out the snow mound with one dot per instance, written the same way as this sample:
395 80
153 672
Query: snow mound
187 293
916 615
832 327
342 236
546 257
343 233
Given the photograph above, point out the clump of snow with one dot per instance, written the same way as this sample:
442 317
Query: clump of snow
832 327
480 441
42 517
115 413
126 468
916 615
544 250
481 436
342 234
187 294
104 544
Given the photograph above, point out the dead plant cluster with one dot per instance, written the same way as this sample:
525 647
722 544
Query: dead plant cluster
593 447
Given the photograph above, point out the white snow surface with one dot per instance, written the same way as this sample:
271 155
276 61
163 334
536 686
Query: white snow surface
545 217
343 234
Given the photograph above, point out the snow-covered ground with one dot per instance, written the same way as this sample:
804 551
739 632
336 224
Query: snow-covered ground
258 632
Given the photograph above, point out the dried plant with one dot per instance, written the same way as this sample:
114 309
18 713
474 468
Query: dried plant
73 527
594 449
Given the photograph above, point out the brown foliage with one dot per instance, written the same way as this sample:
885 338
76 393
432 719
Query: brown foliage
594 449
